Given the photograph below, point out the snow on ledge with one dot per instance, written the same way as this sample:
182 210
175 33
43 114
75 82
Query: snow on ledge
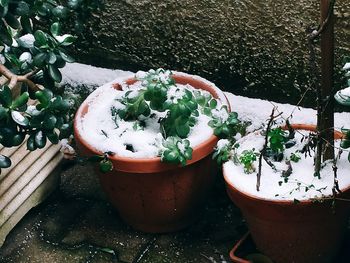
77 74
255 110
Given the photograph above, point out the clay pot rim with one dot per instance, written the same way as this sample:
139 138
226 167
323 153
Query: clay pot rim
298 126
207 144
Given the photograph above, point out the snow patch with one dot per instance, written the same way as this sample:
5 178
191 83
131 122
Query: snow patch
301 184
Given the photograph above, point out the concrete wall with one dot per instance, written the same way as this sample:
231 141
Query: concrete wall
251 47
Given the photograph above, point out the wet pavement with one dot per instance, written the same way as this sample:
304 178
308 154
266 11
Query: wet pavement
77 224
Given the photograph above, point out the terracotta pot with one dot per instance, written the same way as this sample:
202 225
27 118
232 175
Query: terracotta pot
306 232
153 196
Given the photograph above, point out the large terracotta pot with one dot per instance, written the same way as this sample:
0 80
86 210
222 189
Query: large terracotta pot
306 232
153 196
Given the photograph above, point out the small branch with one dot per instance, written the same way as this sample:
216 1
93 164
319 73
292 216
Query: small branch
267 160
263 151
336 188
14 79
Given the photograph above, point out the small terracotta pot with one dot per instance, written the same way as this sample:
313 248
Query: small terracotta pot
153 196
306 232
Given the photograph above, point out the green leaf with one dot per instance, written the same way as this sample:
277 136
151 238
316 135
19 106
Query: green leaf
49 122
40 139
26 24
53 137
5 35
213 103
18 139
19 118
3 113
55 73
182 130
66 40
6 136
74 4
51 58
106 166
23 9
171 156
44 9
345 144
31 143
40 38
5 162
12 21
66 57
20 101
4 3
60 11
55 29
39 59
60 63
6 97
44 97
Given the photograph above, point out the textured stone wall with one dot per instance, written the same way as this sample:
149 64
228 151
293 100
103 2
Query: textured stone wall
251 47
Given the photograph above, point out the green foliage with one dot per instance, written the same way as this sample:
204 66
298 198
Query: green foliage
176 150
181 112
134 107
49 119
277 138
5 162
295 157
247 158
180 117
223 151
33 44
224 123
105 165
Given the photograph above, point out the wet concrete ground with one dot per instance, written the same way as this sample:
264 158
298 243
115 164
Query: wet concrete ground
77 224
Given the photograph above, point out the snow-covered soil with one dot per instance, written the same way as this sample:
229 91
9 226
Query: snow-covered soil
106 133
300 185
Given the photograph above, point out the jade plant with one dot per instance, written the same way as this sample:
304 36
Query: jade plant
181 113
176 110
33 43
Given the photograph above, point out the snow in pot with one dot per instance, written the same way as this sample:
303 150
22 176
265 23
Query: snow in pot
154 116
287 171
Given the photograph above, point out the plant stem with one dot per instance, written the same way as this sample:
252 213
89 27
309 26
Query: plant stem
263 151
13 78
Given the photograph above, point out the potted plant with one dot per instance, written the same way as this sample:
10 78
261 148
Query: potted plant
292 181
294 211
153 136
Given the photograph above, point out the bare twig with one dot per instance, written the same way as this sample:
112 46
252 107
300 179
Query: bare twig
336 188
263 151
